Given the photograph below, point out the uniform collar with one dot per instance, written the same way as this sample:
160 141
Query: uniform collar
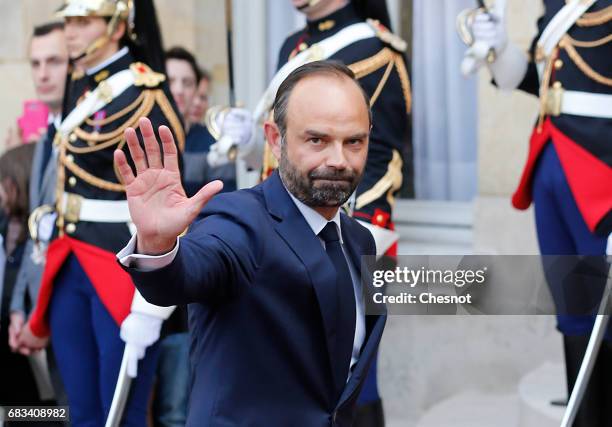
333 22
120 61
108 62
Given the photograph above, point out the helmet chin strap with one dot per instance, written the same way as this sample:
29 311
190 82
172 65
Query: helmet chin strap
101 41
93 48
311 3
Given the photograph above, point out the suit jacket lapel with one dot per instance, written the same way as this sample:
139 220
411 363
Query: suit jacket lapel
294 229
47 187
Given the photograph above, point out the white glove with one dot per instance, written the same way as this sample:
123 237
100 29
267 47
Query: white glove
138 331
510 63
490 31
238 126
236 137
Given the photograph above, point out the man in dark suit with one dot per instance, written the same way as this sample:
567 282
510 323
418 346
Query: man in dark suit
48 56
272 273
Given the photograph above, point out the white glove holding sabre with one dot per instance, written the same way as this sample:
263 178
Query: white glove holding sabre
236 134
509 63
140 330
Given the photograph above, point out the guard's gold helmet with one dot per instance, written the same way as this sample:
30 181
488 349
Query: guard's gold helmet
101 8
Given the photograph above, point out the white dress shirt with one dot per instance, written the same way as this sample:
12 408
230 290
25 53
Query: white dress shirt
316 221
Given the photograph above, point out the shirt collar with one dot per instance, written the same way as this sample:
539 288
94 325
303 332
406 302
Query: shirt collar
315 220
54 119
120 53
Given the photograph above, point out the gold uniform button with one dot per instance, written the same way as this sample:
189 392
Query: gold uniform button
72 137
70 228
558 64
70 158
72 181
557 85
302 47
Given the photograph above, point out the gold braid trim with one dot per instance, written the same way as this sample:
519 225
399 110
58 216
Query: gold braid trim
119 114
589 44
566 44
116 137
545 87
381 84
89 178
59 188
386 57
593 19
389 183
400 65
109 139
369 65
173 120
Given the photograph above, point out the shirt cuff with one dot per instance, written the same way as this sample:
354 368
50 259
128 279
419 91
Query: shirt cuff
129 258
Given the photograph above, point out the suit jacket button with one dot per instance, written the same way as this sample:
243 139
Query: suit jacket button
70 228
72 181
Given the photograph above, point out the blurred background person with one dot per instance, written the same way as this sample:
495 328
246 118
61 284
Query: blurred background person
185 81
172 386
18 386
49 64
48 57
200 103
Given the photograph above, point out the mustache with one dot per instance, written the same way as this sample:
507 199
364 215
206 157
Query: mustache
333 175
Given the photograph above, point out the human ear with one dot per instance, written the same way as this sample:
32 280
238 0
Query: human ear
273 137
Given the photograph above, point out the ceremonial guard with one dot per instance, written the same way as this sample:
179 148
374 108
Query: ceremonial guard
87 304
568 173
356 33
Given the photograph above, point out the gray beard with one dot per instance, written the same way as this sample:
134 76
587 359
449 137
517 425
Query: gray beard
314 193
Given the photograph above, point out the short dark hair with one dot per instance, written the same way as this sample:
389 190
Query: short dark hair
182 54
47 28
329 67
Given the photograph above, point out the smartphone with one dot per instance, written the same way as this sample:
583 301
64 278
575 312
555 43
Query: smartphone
34 118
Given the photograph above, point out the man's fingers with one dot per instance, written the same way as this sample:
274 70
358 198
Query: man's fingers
26 351
150 143
12 341
125 171
169 147
136 152
205 194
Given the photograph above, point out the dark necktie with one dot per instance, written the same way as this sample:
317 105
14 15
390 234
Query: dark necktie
346 304
47 150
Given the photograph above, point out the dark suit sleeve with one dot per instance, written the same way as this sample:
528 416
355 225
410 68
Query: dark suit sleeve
216 259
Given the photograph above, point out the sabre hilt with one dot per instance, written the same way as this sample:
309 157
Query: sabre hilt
478 53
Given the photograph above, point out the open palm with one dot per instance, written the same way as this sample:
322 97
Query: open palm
159 207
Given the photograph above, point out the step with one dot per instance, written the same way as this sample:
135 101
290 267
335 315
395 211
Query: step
473 409
536 390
